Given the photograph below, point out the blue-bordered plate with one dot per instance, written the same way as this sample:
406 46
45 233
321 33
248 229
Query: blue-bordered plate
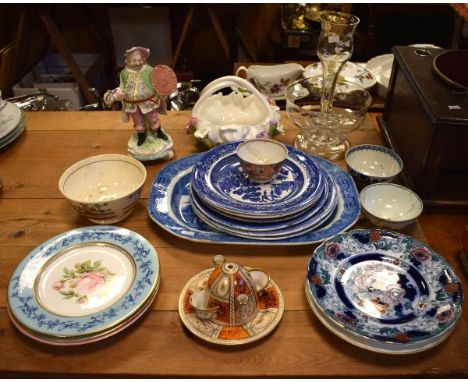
269 236
219 181
84 281
325 215
311 216
169 205
387 289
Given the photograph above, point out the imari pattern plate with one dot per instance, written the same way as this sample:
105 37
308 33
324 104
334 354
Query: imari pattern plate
219 181
83 282
270 311
385 288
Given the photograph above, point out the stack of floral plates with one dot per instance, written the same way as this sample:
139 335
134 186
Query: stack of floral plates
11 122
300 198
83 285
383 291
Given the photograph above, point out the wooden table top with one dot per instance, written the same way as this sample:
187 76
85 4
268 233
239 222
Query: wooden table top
32 210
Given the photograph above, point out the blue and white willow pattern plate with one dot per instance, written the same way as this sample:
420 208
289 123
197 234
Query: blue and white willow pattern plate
24 293
312 216
384 286
325 216
169 205
219 181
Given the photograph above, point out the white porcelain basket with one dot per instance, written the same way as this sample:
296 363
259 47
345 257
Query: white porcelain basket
243 114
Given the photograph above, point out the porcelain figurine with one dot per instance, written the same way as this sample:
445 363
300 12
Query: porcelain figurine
142 91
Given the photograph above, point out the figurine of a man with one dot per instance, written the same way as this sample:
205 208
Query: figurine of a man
139 98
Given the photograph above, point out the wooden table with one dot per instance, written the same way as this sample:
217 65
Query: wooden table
32 210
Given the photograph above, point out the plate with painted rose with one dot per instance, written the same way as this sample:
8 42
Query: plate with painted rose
388 290
83 282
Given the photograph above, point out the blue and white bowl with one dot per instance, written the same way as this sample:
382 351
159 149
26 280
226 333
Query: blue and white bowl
390 205
369 164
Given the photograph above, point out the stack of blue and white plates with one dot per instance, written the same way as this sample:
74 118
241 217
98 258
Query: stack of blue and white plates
11 122
300 198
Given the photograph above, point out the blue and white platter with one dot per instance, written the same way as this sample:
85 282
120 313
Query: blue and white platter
326 214
169 205
309 219
219 181
85 283
383 291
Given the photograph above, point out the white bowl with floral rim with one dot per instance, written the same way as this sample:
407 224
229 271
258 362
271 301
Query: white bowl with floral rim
390 205
104 188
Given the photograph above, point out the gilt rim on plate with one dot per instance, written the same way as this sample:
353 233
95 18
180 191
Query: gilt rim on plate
22 293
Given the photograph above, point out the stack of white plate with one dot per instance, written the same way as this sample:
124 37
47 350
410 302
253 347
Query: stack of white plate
11 122
300 198
83 285
383 291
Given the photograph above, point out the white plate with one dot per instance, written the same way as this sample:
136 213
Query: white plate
10 118
6 140
381 66
351 72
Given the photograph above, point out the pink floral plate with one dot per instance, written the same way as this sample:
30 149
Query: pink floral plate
83 282
76 341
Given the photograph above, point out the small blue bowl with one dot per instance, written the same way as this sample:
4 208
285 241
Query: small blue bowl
369 164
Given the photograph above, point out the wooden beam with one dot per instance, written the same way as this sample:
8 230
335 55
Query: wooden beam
183 35
62 47
219 32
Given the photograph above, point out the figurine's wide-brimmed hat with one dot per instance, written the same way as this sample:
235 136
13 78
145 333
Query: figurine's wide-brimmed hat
144 52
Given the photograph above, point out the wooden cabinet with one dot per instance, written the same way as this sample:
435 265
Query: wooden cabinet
425 121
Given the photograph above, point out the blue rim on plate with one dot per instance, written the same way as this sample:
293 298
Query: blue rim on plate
324 216
269 237
169 205
219 181
260 225
385 287
22 295
315 213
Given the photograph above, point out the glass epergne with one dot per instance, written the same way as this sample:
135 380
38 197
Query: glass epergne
327 107
324 134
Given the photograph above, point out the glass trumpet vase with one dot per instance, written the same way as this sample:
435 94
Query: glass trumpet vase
334 48
325 132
